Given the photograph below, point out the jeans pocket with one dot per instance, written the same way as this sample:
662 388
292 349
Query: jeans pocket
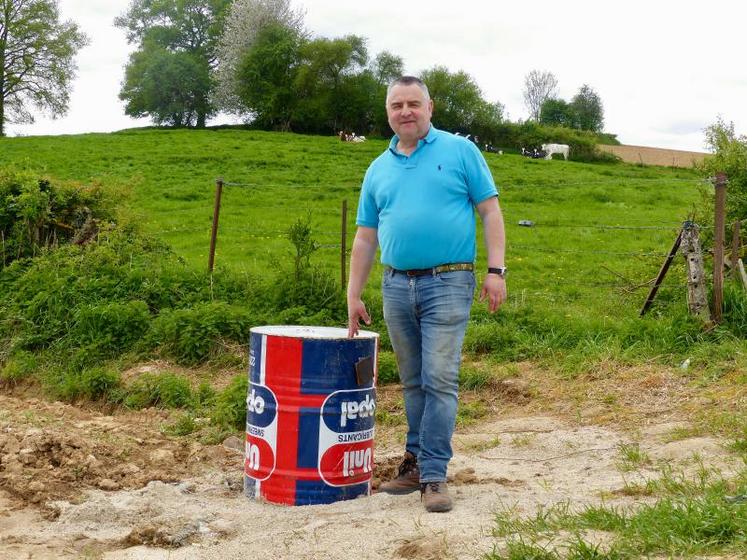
458 278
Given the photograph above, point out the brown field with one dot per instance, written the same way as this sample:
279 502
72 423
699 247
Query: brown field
655 156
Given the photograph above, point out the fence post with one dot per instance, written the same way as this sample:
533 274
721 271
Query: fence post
216 214
662 273
718 247
343 245
735 246
697 296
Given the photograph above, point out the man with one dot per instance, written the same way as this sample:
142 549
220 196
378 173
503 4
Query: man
417 202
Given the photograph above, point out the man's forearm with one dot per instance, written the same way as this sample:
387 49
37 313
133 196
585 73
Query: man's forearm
361 261
494 233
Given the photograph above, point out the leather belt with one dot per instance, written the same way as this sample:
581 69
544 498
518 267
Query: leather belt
452 267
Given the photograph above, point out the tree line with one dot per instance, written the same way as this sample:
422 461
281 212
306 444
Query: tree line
253 58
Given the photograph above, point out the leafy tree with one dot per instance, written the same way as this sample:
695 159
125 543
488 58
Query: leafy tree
458 102
730 157
36 59
538 88
188 31
324 82
243 22
267 75
556 112
387 67
170 87
588 113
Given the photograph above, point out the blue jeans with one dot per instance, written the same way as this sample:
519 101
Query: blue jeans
426 317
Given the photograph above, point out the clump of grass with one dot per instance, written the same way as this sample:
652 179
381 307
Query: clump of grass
632 457
387 372
701 519
184 425
167 390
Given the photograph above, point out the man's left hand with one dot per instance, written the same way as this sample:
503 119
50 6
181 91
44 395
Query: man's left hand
494 288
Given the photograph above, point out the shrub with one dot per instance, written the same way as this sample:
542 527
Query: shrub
166 390
18 366
197 334
230 405
112 327
388 372
98 383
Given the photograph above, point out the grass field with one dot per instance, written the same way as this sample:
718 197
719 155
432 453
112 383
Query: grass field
578 276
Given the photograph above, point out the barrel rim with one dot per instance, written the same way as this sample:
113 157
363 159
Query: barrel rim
313 332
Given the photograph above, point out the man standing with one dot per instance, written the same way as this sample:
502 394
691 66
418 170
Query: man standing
417 202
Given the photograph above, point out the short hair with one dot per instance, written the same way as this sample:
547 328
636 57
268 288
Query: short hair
408 81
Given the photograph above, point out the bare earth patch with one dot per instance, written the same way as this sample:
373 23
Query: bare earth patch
76 483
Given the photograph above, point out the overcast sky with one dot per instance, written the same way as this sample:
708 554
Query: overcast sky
664 69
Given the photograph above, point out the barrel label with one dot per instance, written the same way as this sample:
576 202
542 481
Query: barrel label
261 432
346 434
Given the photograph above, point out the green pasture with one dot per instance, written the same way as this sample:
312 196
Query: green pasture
577 277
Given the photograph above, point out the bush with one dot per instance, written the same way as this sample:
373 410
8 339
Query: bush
99 383
195 335
36 213
230 405
388 371
166 390
112 327
18 366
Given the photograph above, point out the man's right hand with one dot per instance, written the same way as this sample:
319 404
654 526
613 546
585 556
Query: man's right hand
356 312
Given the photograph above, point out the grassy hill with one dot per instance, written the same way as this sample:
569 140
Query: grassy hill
578 276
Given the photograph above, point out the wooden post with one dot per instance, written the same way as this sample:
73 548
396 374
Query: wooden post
735 244
662 274
697 297
343 245
718 247
742 273
216 215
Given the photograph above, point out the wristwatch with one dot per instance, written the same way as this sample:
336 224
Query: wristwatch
499 270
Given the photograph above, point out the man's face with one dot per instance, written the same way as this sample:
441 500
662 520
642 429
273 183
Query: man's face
408 112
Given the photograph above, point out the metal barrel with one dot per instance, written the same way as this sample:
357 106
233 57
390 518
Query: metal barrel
310 416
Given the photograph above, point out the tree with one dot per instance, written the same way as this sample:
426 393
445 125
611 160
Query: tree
37 63
556 112
267 75
729 156
588 112
182 37
325 79
387 67
457 99
172 88
243 22
538 88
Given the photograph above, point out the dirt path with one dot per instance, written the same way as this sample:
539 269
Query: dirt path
82 484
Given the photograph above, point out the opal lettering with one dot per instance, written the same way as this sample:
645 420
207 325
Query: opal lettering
255 403
350 410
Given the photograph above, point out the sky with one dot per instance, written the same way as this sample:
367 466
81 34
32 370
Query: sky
664 69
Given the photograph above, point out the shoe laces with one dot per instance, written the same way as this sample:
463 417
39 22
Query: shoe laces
434 486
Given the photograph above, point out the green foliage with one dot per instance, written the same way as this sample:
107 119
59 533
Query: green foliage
18 366
458 103
172 88
166 390
267 75
98 383
36 213
197 334
111 327
730 157
230 405
556 112
587 110
183 426
388 371
37 64
169 76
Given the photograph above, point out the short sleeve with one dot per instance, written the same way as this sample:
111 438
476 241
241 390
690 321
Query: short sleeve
368 211
480 184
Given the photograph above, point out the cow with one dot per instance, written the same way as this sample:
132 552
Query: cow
551 149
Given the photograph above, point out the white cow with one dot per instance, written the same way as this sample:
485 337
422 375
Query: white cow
551 149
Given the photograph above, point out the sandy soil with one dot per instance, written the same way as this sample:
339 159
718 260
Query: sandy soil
77 483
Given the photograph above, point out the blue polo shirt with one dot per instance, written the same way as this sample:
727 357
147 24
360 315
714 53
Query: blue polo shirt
423 205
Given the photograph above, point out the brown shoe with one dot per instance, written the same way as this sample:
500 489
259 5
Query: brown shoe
435 496
408 477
